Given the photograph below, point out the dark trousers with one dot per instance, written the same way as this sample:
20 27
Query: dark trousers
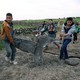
11 50
63 51
75 37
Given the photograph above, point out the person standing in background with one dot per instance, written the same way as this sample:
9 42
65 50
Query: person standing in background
75 33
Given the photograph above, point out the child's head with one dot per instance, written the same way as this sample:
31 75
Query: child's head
9 17
69 21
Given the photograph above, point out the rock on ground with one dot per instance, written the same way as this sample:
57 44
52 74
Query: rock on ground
72 61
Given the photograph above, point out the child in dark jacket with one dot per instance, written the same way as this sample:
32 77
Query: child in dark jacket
67 30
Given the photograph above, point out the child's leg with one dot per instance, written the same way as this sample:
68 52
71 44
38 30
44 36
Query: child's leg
13 52
67 41
73 37
76 36
61 52
8 48
48 42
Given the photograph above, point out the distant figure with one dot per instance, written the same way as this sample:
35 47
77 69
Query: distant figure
59 20
39 29
68 29
56 25
7 36
75 33
43 26
51 29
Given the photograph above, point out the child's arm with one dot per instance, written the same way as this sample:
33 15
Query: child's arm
71 31
44 30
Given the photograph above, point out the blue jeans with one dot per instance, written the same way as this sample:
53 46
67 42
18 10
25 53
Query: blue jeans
63 51
11 50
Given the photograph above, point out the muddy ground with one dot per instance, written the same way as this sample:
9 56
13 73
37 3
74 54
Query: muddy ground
52 68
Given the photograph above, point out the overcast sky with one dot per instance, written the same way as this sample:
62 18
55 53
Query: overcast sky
39 9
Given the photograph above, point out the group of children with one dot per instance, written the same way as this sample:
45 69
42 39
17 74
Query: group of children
51 29
68 29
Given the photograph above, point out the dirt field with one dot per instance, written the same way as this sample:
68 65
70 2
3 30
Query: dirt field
52 68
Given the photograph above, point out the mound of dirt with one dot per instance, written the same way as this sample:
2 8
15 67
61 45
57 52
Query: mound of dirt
51 69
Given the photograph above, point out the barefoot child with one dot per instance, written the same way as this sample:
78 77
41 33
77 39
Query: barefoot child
7 36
